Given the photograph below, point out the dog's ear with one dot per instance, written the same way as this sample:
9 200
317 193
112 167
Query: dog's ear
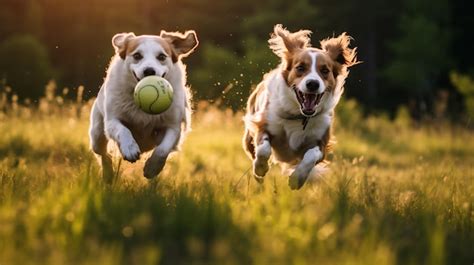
283 43
339 51
120 42
182 44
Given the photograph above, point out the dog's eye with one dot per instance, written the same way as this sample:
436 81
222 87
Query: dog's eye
300 68
325 71
137 56
161 57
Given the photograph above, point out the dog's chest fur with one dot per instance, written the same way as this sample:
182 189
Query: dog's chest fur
148 130
288 139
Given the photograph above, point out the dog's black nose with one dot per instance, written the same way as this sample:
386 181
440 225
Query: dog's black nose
149 71
312 85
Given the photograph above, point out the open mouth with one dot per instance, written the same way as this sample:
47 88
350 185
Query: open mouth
308 101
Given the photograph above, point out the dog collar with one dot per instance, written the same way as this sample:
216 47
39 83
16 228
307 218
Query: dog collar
304 119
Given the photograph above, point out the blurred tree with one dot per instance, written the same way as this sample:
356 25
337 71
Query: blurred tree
463 24
295 15
407 46
227 77
370 23
421 53
33 22
8 22
25 66
465 85
79 37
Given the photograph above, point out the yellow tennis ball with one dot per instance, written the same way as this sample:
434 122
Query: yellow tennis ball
153 94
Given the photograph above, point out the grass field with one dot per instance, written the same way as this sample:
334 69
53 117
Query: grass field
395 195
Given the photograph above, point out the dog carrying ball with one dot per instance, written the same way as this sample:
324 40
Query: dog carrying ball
153 94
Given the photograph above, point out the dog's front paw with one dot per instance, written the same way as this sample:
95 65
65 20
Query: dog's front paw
297 179
130 151
153 166
260 168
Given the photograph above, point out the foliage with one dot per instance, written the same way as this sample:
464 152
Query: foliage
420 52
298 14
232 75
25 65
349 113
465 85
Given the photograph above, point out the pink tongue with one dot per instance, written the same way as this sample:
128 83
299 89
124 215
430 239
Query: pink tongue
309 101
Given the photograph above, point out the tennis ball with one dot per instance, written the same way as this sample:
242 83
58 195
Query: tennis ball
153 94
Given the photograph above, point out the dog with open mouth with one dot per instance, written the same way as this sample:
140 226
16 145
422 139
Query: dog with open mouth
116 117
289 114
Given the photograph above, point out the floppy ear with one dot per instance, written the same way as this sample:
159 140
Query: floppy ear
182 44
338 49
120 42
283 42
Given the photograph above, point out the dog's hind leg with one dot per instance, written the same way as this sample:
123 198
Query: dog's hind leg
107 168
98 142
263 151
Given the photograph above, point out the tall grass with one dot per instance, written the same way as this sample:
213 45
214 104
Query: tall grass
395 195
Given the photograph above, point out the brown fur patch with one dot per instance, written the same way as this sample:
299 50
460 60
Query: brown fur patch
133 44
175 44
325 69
120 42
339 51
283 42
253 135
181 44
301 58
325 144
248 144
166 46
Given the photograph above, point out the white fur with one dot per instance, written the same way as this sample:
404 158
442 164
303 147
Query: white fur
149 49
262 154
283 100
313 75
277 99
303 169
116 117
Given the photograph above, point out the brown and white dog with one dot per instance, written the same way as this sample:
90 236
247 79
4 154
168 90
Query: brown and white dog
291 111
116 117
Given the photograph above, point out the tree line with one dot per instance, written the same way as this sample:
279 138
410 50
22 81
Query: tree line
414 52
